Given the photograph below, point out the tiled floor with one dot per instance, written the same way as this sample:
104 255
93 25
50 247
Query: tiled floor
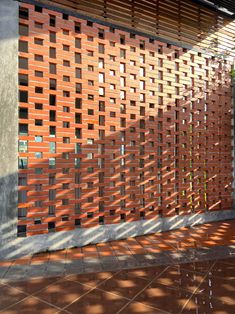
190 270
207 235
200 288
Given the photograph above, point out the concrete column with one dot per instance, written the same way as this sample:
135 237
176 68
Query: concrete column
8 119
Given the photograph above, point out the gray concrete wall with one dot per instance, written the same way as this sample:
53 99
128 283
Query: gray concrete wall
8 118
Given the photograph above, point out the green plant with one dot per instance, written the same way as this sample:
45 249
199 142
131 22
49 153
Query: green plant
232 73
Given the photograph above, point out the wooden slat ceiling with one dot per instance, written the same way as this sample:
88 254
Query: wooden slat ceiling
226 6
182 21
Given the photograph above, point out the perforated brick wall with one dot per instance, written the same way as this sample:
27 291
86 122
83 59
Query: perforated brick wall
114 127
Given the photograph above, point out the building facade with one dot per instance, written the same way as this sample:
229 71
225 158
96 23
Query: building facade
124 121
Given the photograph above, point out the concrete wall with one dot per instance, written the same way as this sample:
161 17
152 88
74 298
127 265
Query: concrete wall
8 118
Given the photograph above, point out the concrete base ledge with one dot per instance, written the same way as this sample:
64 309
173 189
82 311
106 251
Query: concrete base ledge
80 237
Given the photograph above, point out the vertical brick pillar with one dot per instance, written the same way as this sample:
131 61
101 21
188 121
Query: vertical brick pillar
233 139
8 118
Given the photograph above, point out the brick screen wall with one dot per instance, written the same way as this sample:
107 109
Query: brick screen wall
114 127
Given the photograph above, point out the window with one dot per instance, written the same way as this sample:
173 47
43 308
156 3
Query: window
65 32
101 106
39 90
52 52
101 48
38 58
23 113
77 43
21 230
78 103
23 30
52 67
52 147
101 91
66 63
122 67
101 33
23 146
22 212
101 63
38 41
90 53
23 163
52 194
38 139
77 27
23 13
78 73
101 77
38 73
122 53
77 57
38 25
23 46
51 226
52 21
22 180
51 210
52 84
23 63
78 88
66 47
23 129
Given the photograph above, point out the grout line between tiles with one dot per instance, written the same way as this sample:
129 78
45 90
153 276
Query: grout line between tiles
193 293
92 288
131 300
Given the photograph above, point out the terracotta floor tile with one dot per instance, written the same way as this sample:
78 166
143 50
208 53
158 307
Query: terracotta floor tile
33 285
91 255
40 258
140 308
147 273
62 293
23 261
106 253
226 271
97 302
229 260
76 256
219 288
31 305
132 242
200 304
6 263
75 253
87 249
9 296
122 252
200 267
56 256
92 279
152 250
138 251
181 279
186 245
165 247
164 298
123 284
